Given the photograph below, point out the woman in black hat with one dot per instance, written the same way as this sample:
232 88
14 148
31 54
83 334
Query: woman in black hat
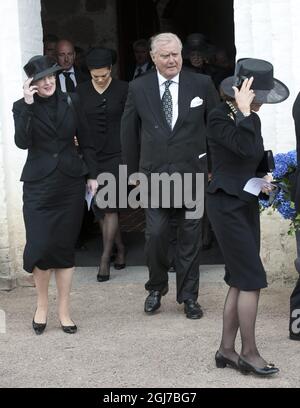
54 179
103 99
236 148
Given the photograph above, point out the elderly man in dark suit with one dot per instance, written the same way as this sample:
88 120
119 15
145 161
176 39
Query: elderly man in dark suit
164 131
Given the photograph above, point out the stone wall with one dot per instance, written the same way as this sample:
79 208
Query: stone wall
20 38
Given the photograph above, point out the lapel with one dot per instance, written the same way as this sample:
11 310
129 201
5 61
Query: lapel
185 95
152 93
62 107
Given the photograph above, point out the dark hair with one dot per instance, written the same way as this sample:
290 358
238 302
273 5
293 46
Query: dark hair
141 43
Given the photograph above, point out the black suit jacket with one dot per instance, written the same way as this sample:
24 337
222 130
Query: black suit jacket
50 146
148 143
236 149
79 75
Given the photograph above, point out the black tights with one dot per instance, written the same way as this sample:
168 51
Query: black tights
240 311
111 234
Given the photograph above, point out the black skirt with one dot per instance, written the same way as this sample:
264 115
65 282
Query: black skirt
108 165
53 210
236 225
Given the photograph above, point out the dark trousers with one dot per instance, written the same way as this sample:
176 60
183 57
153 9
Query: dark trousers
187 257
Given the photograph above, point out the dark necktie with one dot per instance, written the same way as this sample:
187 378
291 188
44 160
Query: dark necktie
168 103
70 86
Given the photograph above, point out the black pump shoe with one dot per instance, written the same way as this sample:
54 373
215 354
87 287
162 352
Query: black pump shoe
247 368
69 329
101 277
38 327
119 266
222 362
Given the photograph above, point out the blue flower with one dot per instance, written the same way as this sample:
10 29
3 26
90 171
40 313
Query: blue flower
285 166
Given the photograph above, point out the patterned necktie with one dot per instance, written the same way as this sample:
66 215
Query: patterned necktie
70 86
167 103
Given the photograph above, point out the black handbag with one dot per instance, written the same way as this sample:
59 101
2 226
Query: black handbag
267 163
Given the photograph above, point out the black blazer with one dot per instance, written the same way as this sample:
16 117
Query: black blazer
51 146
79 75
148 143
236 149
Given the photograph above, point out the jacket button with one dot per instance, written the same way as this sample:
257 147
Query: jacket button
55 155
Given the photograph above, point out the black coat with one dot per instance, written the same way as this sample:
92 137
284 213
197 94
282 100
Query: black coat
236 149
49 146
148 143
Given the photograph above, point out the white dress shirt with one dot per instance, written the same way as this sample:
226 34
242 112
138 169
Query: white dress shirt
62 79
174 88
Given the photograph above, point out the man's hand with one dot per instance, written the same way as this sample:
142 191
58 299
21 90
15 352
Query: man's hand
29 91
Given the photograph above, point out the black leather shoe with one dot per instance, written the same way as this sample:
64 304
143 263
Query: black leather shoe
38 327
247 368
192 309
152 301
69 329
101 277
222 362
294 336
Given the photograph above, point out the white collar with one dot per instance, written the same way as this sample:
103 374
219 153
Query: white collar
162 79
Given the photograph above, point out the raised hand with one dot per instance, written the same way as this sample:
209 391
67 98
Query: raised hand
244 96
29 91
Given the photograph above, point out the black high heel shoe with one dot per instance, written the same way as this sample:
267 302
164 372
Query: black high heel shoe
247 368
38 327
103 277
222 362
69 329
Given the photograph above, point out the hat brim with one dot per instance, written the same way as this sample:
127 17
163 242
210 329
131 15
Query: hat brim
46 72
279 93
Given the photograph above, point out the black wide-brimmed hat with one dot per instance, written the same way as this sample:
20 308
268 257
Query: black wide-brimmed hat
41 66
100 57
198 42
267 89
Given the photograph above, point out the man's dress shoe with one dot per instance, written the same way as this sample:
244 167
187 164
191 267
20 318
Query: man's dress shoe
247 368
192 309
152 301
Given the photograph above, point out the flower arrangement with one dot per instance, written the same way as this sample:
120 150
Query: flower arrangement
285 167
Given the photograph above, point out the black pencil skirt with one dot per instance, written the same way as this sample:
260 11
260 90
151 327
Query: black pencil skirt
236 225
53 210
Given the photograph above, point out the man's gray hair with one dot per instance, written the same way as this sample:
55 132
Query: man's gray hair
164 38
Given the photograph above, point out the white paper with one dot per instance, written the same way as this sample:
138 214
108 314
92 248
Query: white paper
202 155
255 185
88 197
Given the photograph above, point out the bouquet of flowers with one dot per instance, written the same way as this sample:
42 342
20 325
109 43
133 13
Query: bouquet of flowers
285 167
